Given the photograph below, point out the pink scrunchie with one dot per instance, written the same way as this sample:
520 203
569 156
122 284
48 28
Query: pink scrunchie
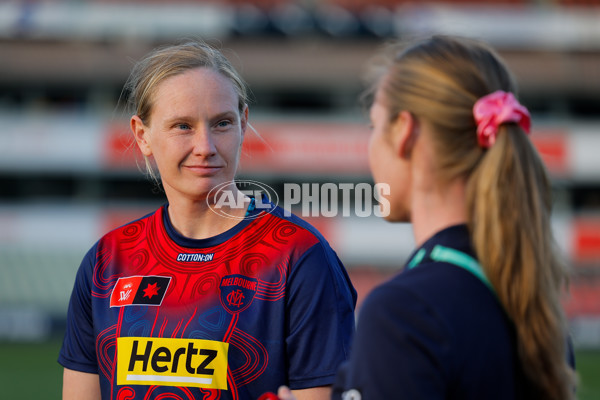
493 110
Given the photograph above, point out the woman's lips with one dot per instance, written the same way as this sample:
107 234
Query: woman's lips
204 169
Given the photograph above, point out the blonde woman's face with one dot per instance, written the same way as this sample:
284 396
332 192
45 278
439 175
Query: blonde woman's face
195 132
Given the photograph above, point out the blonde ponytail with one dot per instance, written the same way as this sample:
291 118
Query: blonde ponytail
509 198
508 194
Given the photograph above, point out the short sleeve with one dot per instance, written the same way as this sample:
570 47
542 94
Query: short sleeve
78 351
320 315
399 349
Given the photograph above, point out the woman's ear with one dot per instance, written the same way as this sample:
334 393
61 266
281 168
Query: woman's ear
405 130
140 132
244 120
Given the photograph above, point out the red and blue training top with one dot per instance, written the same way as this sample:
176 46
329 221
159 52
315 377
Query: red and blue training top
160 316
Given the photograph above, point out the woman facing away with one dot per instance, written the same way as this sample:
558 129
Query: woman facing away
475 314
189 303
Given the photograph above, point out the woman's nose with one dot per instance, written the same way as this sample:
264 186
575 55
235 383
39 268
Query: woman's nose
203 142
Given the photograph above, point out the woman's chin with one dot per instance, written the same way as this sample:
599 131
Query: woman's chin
396 216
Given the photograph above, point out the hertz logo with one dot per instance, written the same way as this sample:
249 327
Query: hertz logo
172 362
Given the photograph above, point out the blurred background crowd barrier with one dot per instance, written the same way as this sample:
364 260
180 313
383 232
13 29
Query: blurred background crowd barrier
68 173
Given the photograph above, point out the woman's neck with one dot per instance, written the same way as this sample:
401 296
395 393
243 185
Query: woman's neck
195 219
437 209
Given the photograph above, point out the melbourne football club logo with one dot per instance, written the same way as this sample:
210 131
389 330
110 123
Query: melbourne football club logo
237 292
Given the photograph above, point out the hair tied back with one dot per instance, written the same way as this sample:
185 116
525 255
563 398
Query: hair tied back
495 109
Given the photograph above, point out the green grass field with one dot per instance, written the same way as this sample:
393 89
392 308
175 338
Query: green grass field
588 368
30 371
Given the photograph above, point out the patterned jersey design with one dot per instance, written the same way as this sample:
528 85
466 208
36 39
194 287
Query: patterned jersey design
176 318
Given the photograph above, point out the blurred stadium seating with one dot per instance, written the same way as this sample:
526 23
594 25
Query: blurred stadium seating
68 174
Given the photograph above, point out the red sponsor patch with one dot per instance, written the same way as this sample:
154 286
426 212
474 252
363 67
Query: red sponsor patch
139 290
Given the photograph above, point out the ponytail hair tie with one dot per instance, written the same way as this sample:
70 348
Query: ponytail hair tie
495 109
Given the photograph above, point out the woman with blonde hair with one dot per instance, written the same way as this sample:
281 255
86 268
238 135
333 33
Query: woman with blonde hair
475 313
203 299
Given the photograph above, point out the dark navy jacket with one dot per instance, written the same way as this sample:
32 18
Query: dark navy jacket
435 331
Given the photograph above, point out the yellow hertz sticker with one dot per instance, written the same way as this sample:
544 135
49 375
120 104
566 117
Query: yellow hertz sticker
172 362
